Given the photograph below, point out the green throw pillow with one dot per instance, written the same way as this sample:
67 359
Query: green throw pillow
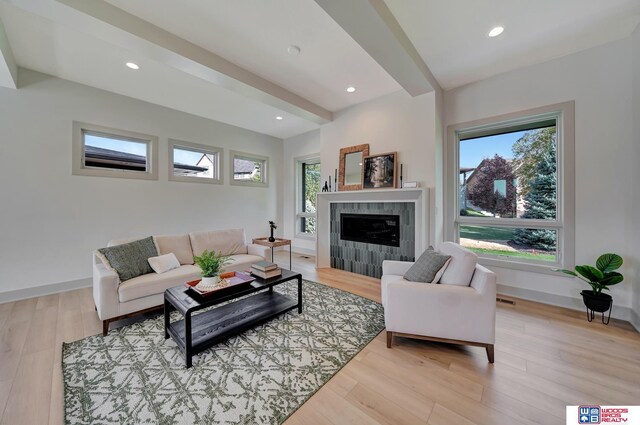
131 259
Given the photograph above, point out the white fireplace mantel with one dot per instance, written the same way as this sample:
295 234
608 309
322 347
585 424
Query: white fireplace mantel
419 196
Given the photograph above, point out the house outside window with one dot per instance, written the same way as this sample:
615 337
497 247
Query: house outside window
249 169
192 162
109 152
510 188
307 186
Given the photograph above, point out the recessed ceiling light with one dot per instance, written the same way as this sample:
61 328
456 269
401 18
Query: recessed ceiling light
351 89
279 118
132 65
293 50
496 31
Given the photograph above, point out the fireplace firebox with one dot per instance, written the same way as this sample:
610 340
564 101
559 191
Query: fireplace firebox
376 229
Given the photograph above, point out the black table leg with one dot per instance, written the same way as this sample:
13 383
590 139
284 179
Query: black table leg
187 340
167 314
290 258
299 294
272 254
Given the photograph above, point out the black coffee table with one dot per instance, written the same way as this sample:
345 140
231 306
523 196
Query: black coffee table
196 333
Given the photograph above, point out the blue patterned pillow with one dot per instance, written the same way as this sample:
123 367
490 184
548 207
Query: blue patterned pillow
427 266
130 260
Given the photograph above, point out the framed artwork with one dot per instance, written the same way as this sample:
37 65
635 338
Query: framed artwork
350 168
379 171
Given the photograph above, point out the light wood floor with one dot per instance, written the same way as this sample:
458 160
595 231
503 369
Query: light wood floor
546 358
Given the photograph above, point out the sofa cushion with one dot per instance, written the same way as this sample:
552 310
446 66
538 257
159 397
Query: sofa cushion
153 283
180 245
241 262
428 268
461 267
164 263
228 242
129 260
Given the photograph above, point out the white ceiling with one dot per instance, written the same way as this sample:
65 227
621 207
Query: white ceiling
450 36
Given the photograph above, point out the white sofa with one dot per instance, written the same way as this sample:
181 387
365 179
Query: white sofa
462 311
116 300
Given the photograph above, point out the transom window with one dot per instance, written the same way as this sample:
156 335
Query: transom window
108 152
249 169
191 162
511 187
307 187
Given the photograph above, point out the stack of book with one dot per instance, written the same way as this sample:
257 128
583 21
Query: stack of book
265 269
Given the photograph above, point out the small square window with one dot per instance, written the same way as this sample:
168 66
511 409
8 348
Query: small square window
249 169
107 152
191 162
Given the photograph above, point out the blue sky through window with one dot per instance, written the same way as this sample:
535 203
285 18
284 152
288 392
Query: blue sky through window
136 148
473 151
186 157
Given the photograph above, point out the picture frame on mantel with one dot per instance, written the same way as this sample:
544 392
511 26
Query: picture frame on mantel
350 167
380 171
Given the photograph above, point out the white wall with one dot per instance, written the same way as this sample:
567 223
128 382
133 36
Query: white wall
51 221
635 41
599 81
395 122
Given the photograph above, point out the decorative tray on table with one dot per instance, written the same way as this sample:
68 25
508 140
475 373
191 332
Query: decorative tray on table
228 280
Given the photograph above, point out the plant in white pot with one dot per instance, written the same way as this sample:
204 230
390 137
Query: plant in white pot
599 278
211 264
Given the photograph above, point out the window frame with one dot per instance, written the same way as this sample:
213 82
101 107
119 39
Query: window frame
299 196
564 115
78 152
198 148
251 157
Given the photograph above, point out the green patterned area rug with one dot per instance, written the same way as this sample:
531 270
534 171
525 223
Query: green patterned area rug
135 376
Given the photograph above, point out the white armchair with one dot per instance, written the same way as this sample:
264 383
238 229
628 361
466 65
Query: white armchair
450 313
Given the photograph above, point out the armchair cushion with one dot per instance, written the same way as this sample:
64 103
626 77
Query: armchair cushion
428 268
461 267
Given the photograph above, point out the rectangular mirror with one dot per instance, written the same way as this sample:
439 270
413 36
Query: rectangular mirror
350 168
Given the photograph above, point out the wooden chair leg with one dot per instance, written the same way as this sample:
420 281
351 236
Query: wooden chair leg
105 327
389 339
490 352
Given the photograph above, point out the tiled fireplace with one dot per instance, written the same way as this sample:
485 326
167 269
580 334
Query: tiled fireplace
363 234
360 229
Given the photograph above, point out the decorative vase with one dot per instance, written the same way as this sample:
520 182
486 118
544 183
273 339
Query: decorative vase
210 281
271 238
597 303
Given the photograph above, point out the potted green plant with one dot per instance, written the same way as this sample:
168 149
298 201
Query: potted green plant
210 263
599 278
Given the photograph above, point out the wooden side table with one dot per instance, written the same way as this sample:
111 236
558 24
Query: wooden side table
276 243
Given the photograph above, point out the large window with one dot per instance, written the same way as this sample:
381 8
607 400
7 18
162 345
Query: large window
249 169
191 162
108 152
307 187
510 187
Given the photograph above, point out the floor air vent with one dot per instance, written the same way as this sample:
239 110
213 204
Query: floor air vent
505 301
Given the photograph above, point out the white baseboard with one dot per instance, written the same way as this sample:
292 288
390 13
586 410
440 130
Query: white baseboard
635 320
622 313
38 291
